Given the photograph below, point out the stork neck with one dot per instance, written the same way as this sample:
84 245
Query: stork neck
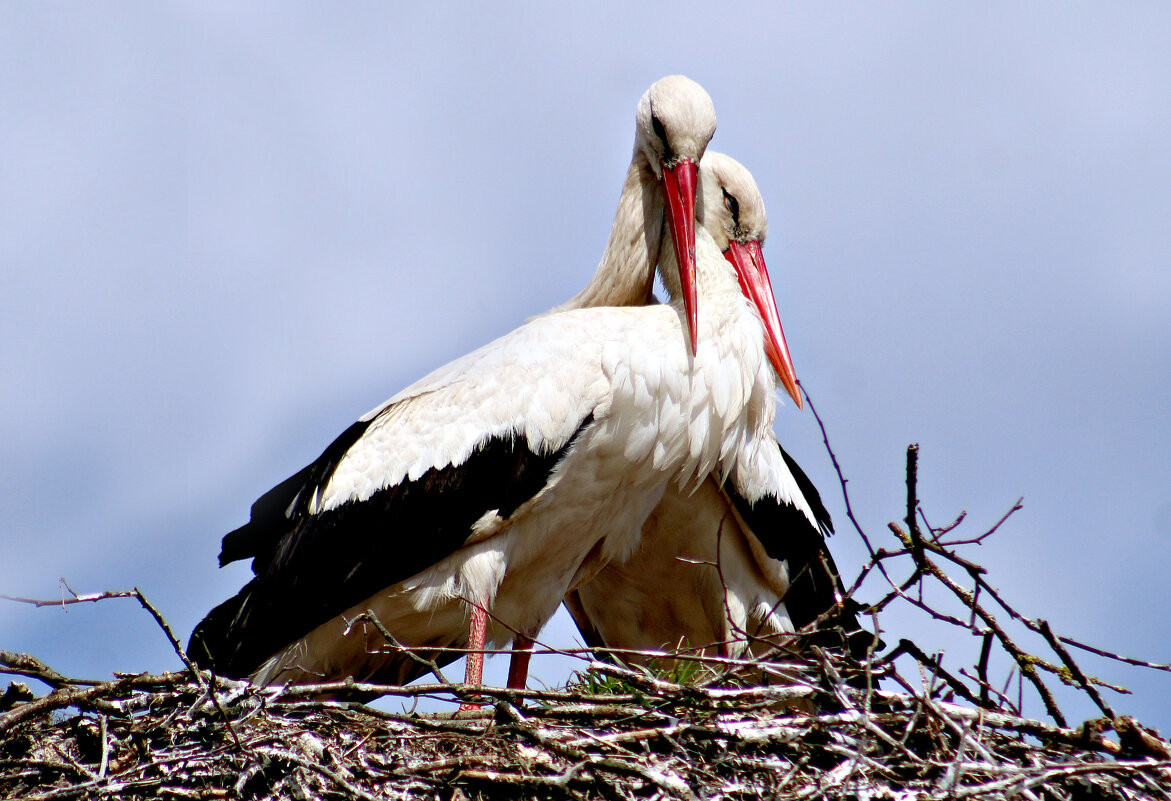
626 273
714 277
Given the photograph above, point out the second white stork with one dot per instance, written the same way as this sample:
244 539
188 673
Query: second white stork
461 510
732 563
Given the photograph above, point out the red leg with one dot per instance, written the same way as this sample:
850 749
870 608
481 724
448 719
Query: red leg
518 665
477 634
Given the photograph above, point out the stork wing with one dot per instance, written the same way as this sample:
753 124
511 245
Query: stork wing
402 488
783 512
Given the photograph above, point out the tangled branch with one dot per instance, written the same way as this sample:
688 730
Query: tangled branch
799 722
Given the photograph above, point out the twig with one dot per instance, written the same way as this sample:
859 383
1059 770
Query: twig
1116 657
913 504
1024 662
1075 671
102 596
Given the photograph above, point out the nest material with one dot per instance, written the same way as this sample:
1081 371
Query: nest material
617 733
806 723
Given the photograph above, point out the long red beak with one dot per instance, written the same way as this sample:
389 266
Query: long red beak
748 259
679 187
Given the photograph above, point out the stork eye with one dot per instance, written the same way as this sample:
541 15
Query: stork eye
733 206
660 131
668 155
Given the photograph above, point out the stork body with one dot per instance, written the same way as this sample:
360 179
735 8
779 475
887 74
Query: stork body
742 558
499 482
505 479
722 569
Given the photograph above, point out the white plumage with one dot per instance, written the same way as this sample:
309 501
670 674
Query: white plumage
627 368
630 370
508 477
742 555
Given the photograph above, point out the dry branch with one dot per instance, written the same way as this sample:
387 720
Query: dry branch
161 736
823 725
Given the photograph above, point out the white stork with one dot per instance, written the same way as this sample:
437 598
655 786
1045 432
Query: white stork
738 560
501 480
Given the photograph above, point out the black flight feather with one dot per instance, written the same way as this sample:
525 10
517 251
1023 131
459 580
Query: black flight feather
814 583
312 567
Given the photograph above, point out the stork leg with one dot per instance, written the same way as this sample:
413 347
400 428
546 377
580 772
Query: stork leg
518 664
477 634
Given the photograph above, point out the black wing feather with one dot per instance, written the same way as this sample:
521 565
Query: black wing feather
288 500
812 496
319 565
814 583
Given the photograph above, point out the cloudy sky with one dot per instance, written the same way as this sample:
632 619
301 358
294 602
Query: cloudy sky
226 233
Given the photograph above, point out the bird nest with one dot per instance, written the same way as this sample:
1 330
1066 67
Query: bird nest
614 733
798 722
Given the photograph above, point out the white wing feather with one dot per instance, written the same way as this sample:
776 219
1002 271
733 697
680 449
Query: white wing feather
538 382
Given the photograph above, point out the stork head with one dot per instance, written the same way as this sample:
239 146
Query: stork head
732 211
674 122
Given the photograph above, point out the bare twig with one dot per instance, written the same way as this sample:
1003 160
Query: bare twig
912 519
815 729
135 593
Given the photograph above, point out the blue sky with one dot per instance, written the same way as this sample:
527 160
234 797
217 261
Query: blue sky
226 232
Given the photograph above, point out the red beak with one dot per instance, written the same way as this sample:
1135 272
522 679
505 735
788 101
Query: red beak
748 259
679 187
